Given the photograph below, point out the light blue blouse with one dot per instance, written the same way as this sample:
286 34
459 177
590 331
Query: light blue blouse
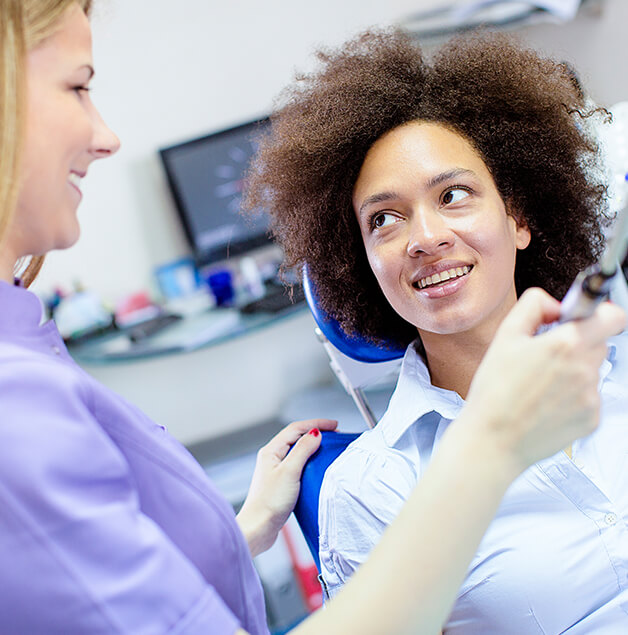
555 558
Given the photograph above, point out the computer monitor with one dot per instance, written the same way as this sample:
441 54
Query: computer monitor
206 178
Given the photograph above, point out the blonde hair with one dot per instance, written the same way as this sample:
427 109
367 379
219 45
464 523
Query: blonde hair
24 24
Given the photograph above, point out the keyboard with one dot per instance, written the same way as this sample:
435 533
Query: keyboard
276 299
152 326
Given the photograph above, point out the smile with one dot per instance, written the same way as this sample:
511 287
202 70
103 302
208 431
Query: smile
443 276
75 180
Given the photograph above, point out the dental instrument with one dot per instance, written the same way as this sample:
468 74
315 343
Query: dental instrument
593 285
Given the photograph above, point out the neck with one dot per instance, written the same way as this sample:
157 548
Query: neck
11 251
453 358
7 265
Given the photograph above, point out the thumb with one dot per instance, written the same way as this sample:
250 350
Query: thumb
607 320
612 318
535 308
301 452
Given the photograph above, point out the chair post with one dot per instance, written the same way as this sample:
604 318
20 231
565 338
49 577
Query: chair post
354 392
365 410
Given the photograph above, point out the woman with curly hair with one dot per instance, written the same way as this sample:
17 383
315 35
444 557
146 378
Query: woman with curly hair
425 195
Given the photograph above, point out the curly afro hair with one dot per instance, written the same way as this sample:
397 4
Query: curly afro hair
524 114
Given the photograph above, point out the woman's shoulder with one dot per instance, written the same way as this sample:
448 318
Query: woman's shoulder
25 369
362 493
368 473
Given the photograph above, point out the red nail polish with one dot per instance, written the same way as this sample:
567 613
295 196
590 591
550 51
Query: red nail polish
314 432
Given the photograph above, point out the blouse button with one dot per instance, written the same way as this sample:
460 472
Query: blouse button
56 350
610 519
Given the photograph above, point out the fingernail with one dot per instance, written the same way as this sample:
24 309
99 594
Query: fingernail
314 432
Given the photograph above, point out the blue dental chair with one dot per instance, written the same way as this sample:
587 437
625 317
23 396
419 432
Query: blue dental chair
356 363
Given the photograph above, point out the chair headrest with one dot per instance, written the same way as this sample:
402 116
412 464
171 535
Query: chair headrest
355 346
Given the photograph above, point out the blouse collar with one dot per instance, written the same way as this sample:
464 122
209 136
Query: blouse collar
20 309
415 396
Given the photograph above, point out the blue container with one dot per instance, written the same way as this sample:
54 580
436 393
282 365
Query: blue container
221 284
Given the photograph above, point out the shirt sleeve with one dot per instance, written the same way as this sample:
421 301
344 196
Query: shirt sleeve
77 553
362 493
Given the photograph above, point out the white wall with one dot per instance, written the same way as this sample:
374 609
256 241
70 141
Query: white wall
596 43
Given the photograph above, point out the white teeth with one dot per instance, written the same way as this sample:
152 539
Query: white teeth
443 276
75 179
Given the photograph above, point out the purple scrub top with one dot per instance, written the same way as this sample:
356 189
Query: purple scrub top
107 524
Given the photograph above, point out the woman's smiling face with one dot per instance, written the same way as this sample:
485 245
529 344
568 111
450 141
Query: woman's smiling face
436 231
64 135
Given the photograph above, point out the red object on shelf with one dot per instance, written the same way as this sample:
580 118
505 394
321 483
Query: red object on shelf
303 564
135 308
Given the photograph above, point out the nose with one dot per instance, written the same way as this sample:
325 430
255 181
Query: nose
429 233
105 142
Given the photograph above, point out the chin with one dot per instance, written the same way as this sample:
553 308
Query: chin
446 326
68 240
444 330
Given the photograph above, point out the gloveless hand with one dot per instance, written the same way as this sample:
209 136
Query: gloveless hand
551 396
276 481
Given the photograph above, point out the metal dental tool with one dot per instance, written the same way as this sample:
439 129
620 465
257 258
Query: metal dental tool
592 285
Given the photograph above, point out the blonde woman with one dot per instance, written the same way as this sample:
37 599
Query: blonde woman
108 525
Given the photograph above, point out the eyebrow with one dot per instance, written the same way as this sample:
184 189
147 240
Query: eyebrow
446 176
382 197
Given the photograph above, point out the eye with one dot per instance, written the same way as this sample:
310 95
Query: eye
381 219
81 89
454 195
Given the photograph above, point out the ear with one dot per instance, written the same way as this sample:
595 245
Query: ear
523 234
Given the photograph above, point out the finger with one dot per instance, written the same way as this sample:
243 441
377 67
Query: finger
607 320
301 452
307 424
280 444
534 308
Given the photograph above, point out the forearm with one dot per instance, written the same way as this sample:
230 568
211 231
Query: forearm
423 557
255 528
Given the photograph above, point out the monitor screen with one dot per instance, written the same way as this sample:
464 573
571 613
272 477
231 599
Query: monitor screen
206 177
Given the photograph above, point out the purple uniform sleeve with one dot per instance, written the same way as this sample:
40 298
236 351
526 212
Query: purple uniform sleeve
77 553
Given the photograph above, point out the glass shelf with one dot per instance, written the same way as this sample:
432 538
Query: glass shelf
191 333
